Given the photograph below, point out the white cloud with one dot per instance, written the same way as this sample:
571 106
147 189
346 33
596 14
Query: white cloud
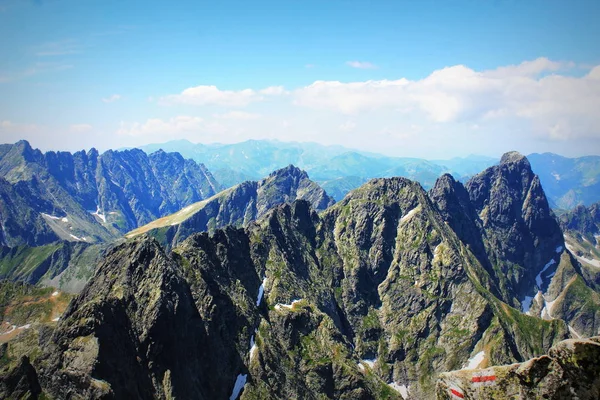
156 126
361 64
554 104
205 95
112 98
238 115
273 91
80 128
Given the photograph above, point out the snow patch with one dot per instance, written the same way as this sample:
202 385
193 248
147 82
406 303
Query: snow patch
12 328
55 294
573 332
402 389
279 306
77 238
595 263
56 319
53 217
261 291
526 304
361 367
370 362
99 214
409 214
240 382
474 361
26 326
253 348
538 278
64 219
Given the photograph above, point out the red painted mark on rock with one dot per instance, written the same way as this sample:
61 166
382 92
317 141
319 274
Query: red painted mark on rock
456 393
484 378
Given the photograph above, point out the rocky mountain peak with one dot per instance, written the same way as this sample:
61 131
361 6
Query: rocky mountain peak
290 170
514 157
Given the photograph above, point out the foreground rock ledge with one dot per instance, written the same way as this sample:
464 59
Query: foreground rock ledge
571 370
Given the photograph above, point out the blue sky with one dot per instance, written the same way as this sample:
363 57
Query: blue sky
413 78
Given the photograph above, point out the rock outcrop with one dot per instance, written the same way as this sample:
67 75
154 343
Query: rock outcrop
571 370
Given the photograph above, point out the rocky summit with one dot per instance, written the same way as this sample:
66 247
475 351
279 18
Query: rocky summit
378 296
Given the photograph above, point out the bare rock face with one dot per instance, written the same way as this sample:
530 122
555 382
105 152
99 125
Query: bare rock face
571 370
20 382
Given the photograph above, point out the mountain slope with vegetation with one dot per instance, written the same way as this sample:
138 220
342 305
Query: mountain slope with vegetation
373 298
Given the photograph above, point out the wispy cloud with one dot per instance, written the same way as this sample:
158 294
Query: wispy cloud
80 128
361 64
156 126
35 69
112 98
10 126
59 48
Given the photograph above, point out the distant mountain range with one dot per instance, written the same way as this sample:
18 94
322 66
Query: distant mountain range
91 197
568 181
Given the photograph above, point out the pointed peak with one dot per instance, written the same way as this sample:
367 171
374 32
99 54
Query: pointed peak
290 170
513 157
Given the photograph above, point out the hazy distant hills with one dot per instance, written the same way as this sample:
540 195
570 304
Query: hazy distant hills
337 169
567 181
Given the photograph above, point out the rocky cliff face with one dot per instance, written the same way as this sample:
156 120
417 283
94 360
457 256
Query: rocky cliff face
89 197
571 370
373 298
238 206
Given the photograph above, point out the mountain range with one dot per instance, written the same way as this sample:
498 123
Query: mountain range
377 296
567 181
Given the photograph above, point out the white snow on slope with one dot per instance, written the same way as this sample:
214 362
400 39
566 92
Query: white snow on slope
538 278
261 291
99 214
240 382
409 214
595 263
56 319
370 362
526 304
577 335
279 306
402 389
253 348
475 360
77 238
55 294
